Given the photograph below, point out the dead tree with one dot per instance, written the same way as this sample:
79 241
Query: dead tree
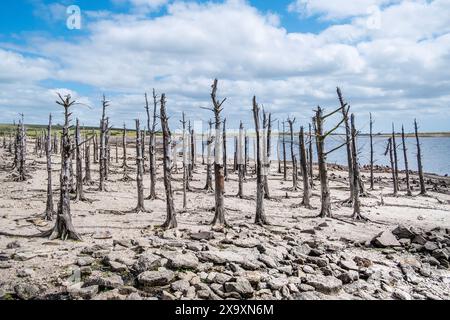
371 153
210 140
224 138
55 144
356 173
345 110
79 165
389 149
267 131
95 147
246 155
171 220
405 156
49 210
107 150
140 208
284 153
304 167
87 164
21 151
219 209
310 150
203 147
185 160
321 135
64 228
152 148
394 147
103 147
240 160
125 167
278 150
117 151
423 190
260 217
293 157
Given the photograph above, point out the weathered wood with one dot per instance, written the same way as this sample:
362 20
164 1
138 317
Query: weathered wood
293 157
260 217
171 221
103 146
405 157
267 131
224 139
356 173
79 164
87 164
49 209
423 190
210 140
284 153
310 150
140 171
391 157
372 180
240 160
185 161
219 209
304 168
394 149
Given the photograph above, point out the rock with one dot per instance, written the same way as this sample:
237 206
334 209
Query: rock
308 231
13 245
321 262
301 250
430 246
84 261
308 269
401 295
102 235
385 239
203 235
195 246
26 291
419 240
247 243
180 285
277 283
349 276
92 249
112 281
25 273
117 267
76 291
362 262
402 232
126 243
149 279
4 257
203 294
305 287
147 262
5 265
183 261
223 257
24 256
134 297
241 286
348 265
109 295
324 284
440 254
221 278
167 296
268 261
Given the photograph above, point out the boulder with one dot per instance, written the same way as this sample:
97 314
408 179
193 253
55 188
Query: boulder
26 291
324 284
111 281
149 279
183 261
385 239
402 232
180 285
203 235
76 291
241 286
147 262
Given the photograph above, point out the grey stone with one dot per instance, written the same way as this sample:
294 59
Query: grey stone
241 286
183 261
349 276
180 285
430 246
112 281
348 265
24 256
321 262
221 278
401 295
25 273
158 278
147 262
204 235
268 261
13 245
402 232
277 283
117 267
324 284
385 239
85 261
102 235
76 291
308 269
306 287
26 291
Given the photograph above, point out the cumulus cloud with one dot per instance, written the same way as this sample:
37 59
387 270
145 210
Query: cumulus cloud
396 69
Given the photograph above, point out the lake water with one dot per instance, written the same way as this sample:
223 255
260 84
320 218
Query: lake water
435 152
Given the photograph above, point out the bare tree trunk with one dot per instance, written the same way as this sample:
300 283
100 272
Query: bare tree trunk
356 173
117 151
219 215
203 147
95 148
394 149
293 157
247 155
125 177
278 150
405 156
64 228
304 167
391 157
171 221
348 146
267 132
240 160
152 148
49 210
79 167
325 210
87 164
140 170
371 154
310 148
235 160
224 138
103 153
185 162
423 190
260 217
210 141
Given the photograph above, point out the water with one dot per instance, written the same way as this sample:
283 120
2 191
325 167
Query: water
435 152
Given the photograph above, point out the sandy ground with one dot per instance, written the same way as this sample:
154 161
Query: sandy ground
49 264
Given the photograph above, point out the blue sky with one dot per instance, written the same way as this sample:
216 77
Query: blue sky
389 56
